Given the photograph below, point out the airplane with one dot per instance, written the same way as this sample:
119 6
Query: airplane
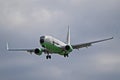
51 45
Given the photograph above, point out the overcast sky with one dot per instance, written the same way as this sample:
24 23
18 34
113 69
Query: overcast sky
22 22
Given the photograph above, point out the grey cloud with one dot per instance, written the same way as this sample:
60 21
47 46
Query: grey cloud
22 23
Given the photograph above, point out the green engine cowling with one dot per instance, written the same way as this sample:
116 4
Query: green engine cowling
38 51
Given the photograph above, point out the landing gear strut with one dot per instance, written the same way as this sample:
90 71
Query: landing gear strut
48 57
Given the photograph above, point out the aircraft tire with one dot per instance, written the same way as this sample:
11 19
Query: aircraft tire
48 57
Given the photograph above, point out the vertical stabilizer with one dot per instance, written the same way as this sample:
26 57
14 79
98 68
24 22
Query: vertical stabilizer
68 36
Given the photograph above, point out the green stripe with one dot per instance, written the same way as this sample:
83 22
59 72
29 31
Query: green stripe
53 48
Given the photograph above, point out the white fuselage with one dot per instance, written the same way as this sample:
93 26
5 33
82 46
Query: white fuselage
53 45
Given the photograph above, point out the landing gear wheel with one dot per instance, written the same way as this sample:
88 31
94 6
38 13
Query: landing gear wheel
48 57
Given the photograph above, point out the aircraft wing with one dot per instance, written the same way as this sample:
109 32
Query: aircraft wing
28 50
77 46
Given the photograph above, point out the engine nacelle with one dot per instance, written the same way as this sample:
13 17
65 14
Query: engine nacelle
68 48
38 51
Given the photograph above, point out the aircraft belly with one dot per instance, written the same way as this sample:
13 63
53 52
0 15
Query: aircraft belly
52 48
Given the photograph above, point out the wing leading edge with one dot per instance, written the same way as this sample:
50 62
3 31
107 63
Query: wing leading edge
77 46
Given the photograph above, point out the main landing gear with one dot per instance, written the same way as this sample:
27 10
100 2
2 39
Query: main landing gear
66 55
48 57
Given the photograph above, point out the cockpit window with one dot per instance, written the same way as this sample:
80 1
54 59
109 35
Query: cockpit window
42 37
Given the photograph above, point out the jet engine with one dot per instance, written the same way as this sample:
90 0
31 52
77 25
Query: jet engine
68 48
38 51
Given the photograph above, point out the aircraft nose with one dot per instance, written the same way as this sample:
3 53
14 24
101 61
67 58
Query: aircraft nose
42 39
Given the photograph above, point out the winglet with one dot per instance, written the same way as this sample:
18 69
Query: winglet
112 38
7 47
